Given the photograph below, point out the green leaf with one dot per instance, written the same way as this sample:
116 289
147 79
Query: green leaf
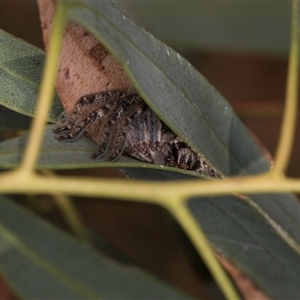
193 109
64 155
21 67
234 228
42 263
179 95
238 233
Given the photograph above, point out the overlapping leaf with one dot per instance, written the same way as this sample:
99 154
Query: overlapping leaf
43 263
175 90
199 115
62 155
21 67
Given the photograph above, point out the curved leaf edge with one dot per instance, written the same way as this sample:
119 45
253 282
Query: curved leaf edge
133 79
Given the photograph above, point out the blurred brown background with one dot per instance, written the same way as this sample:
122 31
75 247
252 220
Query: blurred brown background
255 86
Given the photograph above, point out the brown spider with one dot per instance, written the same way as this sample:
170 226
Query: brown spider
125 124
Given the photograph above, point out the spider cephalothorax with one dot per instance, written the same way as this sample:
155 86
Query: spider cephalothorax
125 124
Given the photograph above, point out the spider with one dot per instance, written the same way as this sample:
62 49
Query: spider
124 124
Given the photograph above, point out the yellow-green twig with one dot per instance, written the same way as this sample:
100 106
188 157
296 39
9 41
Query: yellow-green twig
69 212
153 192
46 92
288 128
68 209
95 187
197 237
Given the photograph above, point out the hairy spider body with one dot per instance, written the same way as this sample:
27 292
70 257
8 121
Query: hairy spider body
125 124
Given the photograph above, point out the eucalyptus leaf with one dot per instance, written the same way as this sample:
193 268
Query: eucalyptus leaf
174 89
21 68
68 155
184 100
234 228
54 154
193 109
238 233
41 262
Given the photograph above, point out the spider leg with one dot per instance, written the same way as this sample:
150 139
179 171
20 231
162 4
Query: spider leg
175 153
75 131
88 100
118 142
129 109
63 121
83 104
62 128
119 147
113 139
102 148
113 128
